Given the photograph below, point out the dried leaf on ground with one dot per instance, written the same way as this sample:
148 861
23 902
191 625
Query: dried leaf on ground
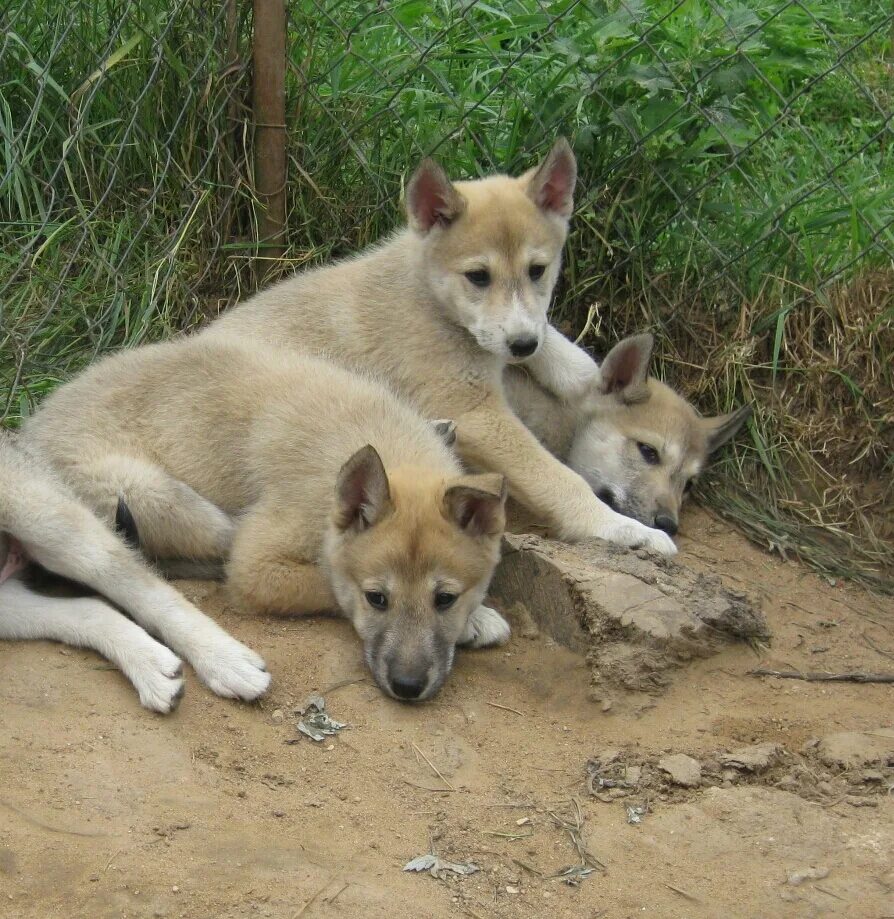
315 722
439 868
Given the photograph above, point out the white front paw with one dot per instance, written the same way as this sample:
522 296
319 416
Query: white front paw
636 535
485 627
229 668
158 678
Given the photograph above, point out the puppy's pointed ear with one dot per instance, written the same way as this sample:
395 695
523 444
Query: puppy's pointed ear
362 492
477 504
722 428
626 367
431 198
551 184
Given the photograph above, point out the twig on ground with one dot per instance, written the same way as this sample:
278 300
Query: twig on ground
330 898
513 804
438 791
312 899
875 647
574 827
46 826
682 893
512 836
341 684
528 867
506 708
434 768
854 676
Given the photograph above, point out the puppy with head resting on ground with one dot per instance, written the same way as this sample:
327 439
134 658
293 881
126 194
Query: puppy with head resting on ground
441 308
634 440
319 487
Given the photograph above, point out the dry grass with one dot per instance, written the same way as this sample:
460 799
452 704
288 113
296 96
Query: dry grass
814 475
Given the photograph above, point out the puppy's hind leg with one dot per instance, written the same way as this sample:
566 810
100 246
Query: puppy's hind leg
67 539
89 622
173 520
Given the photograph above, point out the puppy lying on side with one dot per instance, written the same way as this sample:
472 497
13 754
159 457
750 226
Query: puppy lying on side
42 521
320 487
636 442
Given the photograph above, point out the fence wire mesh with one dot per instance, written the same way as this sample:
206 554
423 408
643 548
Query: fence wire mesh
736 196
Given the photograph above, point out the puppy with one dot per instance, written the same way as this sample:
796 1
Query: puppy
320 488
636 442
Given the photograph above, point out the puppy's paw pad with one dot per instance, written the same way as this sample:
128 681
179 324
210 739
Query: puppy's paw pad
485 628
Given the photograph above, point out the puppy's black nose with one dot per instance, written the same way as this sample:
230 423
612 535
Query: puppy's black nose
523 347
407 688
667 523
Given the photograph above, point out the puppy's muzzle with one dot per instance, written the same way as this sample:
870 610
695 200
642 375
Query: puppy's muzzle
667 523
408 689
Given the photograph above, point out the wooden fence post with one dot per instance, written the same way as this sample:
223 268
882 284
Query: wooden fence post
269 104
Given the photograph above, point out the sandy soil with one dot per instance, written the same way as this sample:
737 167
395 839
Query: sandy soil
216 811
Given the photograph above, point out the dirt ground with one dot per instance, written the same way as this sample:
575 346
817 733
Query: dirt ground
217 811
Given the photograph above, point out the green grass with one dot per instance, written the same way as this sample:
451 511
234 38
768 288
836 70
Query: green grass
736 196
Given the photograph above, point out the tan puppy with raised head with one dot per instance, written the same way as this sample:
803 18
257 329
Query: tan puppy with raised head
441 308
636 442
320 487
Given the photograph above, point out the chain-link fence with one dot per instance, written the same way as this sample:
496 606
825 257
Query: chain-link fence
736 196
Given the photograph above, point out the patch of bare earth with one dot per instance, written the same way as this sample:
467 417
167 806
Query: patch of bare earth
107 810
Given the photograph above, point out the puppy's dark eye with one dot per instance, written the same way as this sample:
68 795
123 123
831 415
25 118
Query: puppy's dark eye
376 599
649 454
444 600
688 486
535 272
480 277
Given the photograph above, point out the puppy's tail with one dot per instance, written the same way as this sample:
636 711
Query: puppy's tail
125 524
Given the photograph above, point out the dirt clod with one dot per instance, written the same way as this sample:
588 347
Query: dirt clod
855 749
636 616
683 769
755 758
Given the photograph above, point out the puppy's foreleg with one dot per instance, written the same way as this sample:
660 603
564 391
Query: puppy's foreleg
562 368
492 438
271 567
485 628
89 622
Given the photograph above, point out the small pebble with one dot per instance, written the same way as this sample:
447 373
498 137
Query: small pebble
510 889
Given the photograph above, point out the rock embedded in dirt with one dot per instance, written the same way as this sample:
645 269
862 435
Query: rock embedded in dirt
797 878
755 758
635 615
633 775
683 769
857 749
